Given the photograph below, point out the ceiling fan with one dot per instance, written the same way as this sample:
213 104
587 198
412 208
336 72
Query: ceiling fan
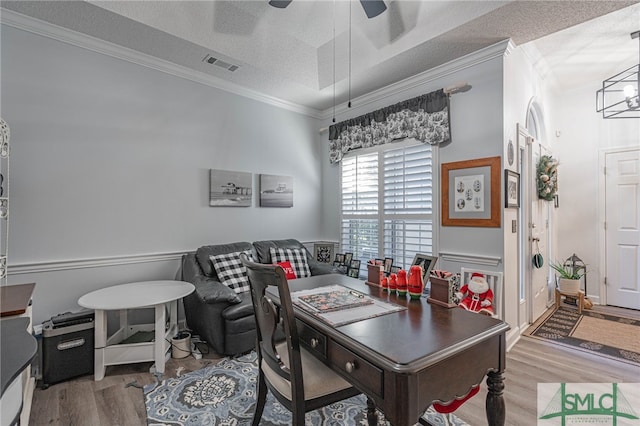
372 8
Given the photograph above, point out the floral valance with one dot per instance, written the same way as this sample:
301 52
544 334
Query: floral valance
425 118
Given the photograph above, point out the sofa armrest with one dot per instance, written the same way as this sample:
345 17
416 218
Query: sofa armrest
211 291
318 268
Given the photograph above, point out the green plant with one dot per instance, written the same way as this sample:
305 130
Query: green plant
567 271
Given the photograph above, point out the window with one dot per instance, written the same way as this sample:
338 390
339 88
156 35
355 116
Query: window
387 203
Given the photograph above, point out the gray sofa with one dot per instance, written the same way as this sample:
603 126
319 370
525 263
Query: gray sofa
222 318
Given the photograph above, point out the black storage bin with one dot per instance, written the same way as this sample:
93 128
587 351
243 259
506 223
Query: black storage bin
67 347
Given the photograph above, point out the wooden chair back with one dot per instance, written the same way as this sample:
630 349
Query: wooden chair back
494 279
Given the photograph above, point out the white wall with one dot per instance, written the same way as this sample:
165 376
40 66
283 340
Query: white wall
584 134
111 159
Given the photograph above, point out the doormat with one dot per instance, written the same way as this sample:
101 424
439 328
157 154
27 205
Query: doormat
606 335
224 394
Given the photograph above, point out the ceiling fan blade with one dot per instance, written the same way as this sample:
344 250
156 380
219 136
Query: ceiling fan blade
280 4
373 8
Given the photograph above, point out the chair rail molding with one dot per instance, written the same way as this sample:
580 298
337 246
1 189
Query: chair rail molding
97 262
475 259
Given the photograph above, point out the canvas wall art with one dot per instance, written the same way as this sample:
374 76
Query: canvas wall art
229 188
276 191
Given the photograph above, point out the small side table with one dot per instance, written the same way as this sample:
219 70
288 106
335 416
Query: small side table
153 294
579 296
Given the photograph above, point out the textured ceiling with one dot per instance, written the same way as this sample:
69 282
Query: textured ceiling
288 53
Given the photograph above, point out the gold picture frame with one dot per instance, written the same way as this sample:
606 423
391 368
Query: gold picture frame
471 193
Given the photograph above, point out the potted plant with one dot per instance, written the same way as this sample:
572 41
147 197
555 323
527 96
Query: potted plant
569 277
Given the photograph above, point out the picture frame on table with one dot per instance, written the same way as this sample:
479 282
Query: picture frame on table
427 262
471 193
511 189
339 259
353 272
355 263
388 263
395 269
347 258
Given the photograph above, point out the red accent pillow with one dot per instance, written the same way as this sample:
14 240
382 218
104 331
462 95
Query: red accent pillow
288 270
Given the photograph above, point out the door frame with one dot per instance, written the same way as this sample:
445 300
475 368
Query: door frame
602 217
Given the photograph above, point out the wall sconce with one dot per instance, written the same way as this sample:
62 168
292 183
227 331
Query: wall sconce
619 96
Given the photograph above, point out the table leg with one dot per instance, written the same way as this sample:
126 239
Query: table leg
173 316
495 402
124 323
159 336
100 343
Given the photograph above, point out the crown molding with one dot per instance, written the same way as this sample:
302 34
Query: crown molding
97 262
55 32
488 53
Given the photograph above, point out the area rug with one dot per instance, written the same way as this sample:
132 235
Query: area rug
224 395
606 335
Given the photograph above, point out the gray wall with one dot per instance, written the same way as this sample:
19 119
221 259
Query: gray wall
111 159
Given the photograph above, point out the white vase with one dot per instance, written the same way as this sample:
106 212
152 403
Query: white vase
566 285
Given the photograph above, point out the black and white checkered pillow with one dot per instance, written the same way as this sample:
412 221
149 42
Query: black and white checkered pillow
297 258
231 271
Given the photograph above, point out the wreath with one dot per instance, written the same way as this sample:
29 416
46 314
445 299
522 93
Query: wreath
547 178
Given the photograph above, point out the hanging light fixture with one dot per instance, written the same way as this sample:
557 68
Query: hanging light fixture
619 96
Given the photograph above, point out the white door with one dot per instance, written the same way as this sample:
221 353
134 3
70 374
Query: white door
622 212
539 240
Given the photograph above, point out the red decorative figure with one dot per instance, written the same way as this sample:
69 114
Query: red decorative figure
384 283
476 296
416 282
402 282
393 283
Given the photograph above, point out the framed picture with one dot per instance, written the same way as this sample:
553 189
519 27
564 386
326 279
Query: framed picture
347 258
339 259
426 262
353 272
229 189
378 262
471 193
323 252
394 269
511 188
355 263
388 263
276 191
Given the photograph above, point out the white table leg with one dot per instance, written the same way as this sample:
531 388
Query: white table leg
124 323
173 316
100 342
159 333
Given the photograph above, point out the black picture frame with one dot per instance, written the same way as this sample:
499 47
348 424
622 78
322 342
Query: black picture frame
427 263
339 259
395 269
353 272
511 189
347 258
388 263
355 263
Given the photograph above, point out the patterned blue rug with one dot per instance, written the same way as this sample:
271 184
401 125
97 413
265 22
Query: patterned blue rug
224 395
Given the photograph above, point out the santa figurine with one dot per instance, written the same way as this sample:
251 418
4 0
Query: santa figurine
476 296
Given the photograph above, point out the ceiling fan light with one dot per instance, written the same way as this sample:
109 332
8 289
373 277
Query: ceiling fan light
629 91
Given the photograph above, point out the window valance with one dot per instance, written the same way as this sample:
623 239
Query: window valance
425 118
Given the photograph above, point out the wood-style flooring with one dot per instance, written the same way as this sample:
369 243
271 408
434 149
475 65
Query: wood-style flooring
113 401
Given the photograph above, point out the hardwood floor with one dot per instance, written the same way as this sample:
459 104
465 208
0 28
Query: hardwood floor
113 401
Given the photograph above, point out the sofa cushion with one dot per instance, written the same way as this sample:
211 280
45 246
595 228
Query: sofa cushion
203 255
297 258
263 248
231 271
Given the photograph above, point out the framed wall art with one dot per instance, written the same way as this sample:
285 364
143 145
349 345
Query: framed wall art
471 193
323 252
511 189
276 191
229 188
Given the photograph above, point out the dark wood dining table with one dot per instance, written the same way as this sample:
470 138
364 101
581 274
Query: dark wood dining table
408 359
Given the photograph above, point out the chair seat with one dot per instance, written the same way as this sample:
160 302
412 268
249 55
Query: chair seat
319 380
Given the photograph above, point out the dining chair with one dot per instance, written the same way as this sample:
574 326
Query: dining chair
297 379
494 279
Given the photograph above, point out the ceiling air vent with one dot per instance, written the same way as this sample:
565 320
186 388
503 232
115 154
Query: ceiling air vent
220 63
